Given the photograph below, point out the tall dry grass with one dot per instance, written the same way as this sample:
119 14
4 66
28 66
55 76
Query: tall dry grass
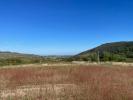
67 83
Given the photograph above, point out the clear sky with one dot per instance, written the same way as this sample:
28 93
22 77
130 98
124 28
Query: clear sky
59 27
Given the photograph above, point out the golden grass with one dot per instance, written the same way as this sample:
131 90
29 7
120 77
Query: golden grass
67 83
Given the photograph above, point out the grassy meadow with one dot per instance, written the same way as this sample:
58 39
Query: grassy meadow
72 82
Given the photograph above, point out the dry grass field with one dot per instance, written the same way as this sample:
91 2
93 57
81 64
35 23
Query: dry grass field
85 82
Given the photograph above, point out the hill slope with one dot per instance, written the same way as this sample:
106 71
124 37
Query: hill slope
6 55
12 58
116 51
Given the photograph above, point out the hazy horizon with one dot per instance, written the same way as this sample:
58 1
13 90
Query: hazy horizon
63 27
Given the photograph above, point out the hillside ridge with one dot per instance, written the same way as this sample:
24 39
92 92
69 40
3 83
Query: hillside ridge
114 51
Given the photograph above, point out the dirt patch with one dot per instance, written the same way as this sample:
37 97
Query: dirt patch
24 90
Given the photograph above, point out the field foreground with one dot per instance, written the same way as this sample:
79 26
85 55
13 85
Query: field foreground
67 83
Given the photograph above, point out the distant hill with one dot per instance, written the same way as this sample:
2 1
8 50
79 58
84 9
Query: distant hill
13 58
116 51
6 55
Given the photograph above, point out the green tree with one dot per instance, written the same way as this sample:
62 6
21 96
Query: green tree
107 56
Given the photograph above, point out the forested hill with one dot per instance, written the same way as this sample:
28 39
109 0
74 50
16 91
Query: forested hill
116 51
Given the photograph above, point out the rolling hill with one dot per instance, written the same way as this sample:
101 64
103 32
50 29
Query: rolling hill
13 58
6 55
115 51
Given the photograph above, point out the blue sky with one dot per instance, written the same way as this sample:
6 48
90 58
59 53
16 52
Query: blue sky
60 27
